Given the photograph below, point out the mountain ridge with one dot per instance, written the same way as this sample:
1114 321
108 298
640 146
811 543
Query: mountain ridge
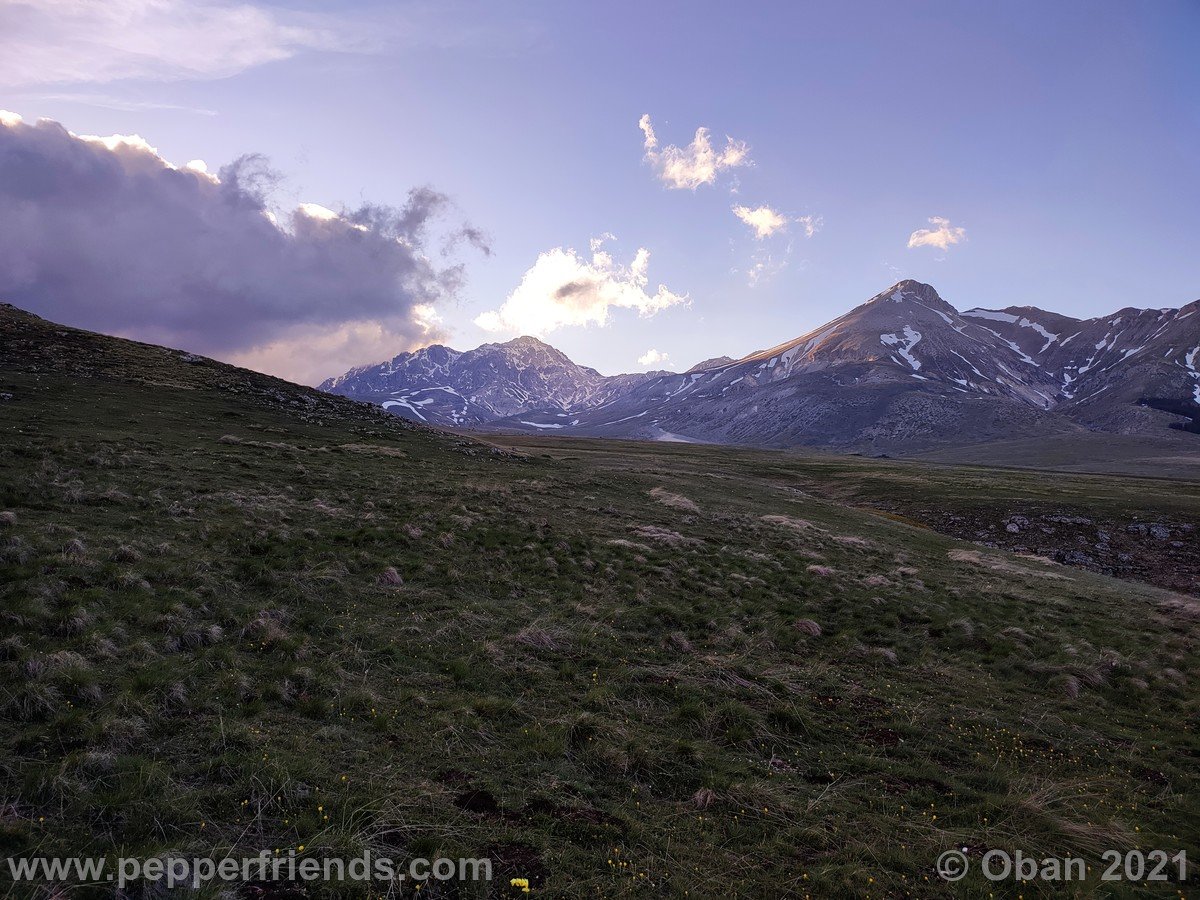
440 385
904 370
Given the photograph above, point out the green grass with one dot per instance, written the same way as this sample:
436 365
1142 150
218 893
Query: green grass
606 692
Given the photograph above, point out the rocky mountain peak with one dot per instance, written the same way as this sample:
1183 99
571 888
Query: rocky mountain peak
528 342
910 290
525 350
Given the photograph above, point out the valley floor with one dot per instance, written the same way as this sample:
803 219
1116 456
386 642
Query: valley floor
1168 454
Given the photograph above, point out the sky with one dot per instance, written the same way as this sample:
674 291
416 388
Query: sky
317 185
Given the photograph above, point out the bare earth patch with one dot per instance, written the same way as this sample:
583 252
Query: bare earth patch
976 558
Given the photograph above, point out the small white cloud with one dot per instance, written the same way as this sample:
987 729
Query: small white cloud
942 235
812 224
652 357
766 221
697 163
597 242
562 288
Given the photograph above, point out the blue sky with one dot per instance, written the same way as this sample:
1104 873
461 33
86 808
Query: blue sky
1061 138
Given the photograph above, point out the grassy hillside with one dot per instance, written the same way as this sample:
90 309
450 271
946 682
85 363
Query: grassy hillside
1138 528
238 615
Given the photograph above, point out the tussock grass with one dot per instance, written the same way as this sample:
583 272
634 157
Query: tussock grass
391 578
675 501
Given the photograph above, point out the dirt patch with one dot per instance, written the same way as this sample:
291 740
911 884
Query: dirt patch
998 564
478 801
882 737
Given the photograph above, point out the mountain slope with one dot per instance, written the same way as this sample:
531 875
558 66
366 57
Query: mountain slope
1106 367
909 332
36 348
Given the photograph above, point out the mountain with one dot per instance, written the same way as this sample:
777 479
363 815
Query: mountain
443 386
904 371
1112 372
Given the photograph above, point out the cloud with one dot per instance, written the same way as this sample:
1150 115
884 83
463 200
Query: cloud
762 219
812 224
562 288
942 235
697 163
652 357
766 221
122 104
44 42
103 233
96 41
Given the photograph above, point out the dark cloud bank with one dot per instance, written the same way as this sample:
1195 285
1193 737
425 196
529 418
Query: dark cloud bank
104 234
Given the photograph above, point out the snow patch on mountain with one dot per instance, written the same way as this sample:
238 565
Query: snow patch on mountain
991 314
911 339
996 315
